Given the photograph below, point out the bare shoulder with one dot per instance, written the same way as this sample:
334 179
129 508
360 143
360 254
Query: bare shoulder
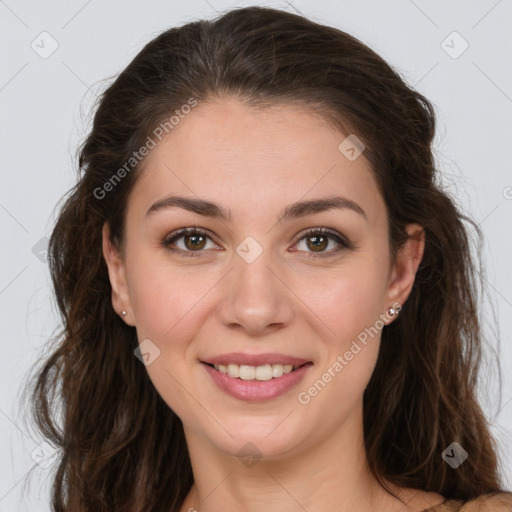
492 502
414 500
422 501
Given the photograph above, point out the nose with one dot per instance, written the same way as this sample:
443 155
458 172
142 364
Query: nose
255 298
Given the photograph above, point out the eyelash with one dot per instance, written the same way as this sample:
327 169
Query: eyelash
343 242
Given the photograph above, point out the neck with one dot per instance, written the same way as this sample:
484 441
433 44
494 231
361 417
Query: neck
332 474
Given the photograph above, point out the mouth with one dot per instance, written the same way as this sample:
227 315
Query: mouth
256 383
256 373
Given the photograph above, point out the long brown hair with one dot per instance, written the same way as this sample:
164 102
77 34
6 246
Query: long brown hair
121 447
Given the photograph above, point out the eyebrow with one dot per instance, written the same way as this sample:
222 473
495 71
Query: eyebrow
292 211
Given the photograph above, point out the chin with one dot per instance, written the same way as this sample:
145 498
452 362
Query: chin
260 438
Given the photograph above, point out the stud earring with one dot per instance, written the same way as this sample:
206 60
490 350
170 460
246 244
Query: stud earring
394 310
123 312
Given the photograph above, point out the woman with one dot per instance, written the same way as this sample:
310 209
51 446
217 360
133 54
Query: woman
268 300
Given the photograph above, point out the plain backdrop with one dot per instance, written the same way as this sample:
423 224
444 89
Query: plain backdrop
55 59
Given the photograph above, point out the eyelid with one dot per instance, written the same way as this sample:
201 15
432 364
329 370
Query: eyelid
180 233
340 239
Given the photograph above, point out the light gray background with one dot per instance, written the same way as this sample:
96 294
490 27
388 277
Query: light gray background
45 112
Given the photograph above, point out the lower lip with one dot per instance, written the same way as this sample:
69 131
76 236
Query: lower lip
257 390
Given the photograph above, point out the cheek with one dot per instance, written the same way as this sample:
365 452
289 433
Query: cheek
352 308
163 296
352 304
349 299
165 300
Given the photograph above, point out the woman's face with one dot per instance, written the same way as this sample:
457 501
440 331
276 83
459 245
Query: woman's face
254 286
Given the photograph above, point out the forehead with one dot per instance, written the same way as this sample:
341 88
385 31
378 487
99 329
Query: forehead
227 151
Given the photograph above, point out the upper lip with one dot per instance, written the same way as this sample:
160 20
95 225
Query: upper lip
255 359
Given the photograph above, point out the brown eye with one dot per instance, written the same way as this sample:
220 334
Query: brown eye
317 243
188 242
194 242
317 240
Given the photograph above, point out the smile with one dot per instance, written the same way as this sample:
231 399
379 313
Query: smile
248 372
256 383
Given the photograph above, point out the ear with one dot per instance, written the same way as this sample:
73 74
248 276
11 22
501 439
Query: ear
407 261
117 275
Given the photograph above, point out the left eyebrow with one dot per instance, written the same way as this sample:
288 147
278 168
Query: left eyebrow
301 209
292 211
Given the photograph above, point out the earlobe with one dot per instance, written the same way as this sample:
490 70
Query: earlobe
407 262
117 276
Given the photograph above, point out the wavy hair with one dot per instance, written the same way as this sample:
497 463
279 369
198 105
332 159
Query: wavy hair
121 447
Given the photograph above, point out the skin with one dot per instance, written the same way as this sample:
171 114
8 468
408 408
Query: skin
254 163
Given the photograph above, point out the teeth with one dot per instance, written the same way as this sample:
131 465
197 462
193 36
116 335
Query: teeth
245 372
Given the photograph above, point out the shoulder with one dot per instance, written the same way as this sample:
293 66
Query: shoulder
492 502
